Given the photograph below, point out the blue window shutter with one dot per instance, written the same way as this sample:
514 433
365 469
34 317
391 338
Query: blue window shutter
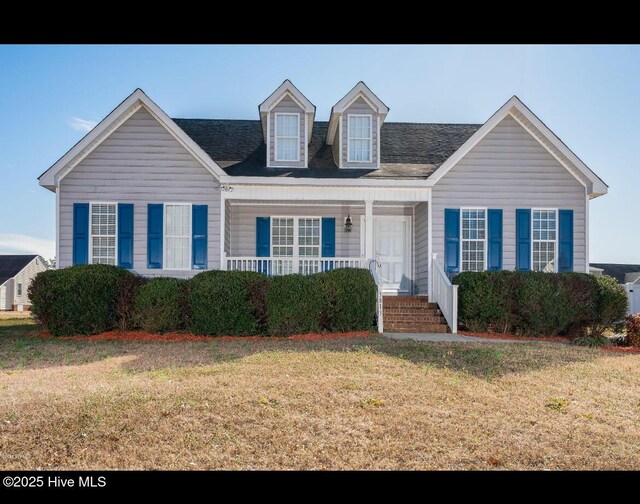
328 237
523 239
125 235
565 240
494 242
199 236
452 240
154 235
263 236
80 233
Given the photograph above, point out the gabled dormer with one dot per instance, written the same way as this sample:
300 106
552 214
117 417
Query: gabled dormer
354 128
287 122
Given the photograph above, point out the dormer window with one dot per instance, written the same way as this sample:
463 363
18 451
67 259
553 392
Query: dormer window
359 138
287 118
287 143
354 129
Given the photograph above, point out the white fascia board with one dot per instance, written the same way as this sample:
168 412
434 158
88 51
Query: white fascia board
287 87
361 89
323 182
97 135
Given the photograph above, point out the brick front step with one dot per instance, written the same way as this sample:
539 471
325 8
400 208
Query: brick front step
435 319
416 328
412 314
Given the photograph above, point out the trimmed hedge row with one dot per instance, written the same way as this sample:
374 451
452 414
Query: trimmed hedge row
539 304
90 299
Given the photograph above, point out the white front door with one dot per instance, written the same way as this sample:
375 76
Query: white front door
391 241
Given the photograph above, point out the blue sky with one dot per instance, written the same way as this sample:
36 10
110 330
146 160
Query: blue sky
588 95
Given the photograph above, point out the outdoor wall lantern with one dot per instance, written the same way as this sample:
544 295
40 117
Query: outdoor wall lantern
348 224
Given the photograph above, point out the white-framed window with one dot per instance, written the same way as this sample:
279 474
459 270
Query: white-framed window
360 138
104 220
19 289
282 236
287 137
544 223
177 236
474 239
296 238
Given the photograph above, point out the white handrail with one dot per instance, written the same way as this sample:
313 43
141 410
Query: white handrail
373 268
445 294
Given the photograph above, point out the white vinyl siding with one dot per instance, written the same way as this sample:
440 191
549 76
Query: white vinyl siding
177 236
102 247
509 169
25 277
287 137
544 239
140 163
360 140
474 239
421 247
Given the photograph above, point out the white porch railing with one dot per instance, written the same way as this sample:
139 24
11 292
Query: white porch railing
288 265
445 294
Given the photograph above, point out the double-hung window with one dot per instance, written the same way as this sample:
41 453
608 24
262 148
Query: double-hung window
474 239
103 233
19 289
544 239
359 138
177 230
287 137
295 237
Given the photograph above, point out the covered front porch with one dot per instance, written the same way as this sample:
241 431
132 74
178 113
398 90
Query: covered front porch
285 237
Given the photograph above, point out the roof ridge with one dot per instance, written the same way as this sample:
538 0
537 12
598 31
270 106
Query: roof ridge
326 122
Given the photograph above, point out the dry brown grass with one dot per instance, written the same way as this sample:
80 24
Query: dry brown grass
367 403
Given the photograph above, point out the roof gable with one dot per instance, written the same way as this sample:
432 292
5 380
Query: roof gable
287 89
11 265
538 130
51 177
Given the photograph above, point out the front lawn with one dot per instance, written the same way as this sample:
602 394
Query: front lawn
356 403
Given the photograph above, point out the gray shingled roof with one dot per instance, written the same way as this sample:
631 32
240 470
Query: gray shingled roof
407 150
617 271
11 265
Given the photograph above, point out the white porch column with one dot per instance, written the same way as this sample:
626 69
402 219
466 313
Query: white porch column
368 229
223 208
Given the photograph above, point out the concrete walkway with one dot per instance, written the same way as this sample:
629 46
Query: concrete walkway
457 338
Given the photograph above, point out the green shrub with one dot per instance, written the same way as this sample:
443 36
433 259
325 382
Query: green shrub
591 341
538 304
159 305
295 304
633 330
76 300
610 304
228 303
128 286
350 300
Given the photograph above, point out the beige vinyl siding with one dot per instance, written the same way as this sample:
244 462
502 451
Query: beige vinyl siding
243 223
227 228
140 163
359 107
286 106
6 295
509 169
421 247
25 277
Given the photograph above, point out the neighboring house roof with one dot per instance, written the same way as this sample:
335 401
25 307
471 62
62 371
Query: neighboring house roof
11 265
407 150
617 271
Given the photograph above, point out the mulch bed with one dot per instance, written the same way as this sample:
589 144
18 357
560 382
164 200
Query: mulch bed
622 349
177 337
492 335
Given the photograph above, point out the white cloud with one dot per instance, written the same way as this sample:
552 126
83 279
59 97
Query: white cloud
82 124
24 244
